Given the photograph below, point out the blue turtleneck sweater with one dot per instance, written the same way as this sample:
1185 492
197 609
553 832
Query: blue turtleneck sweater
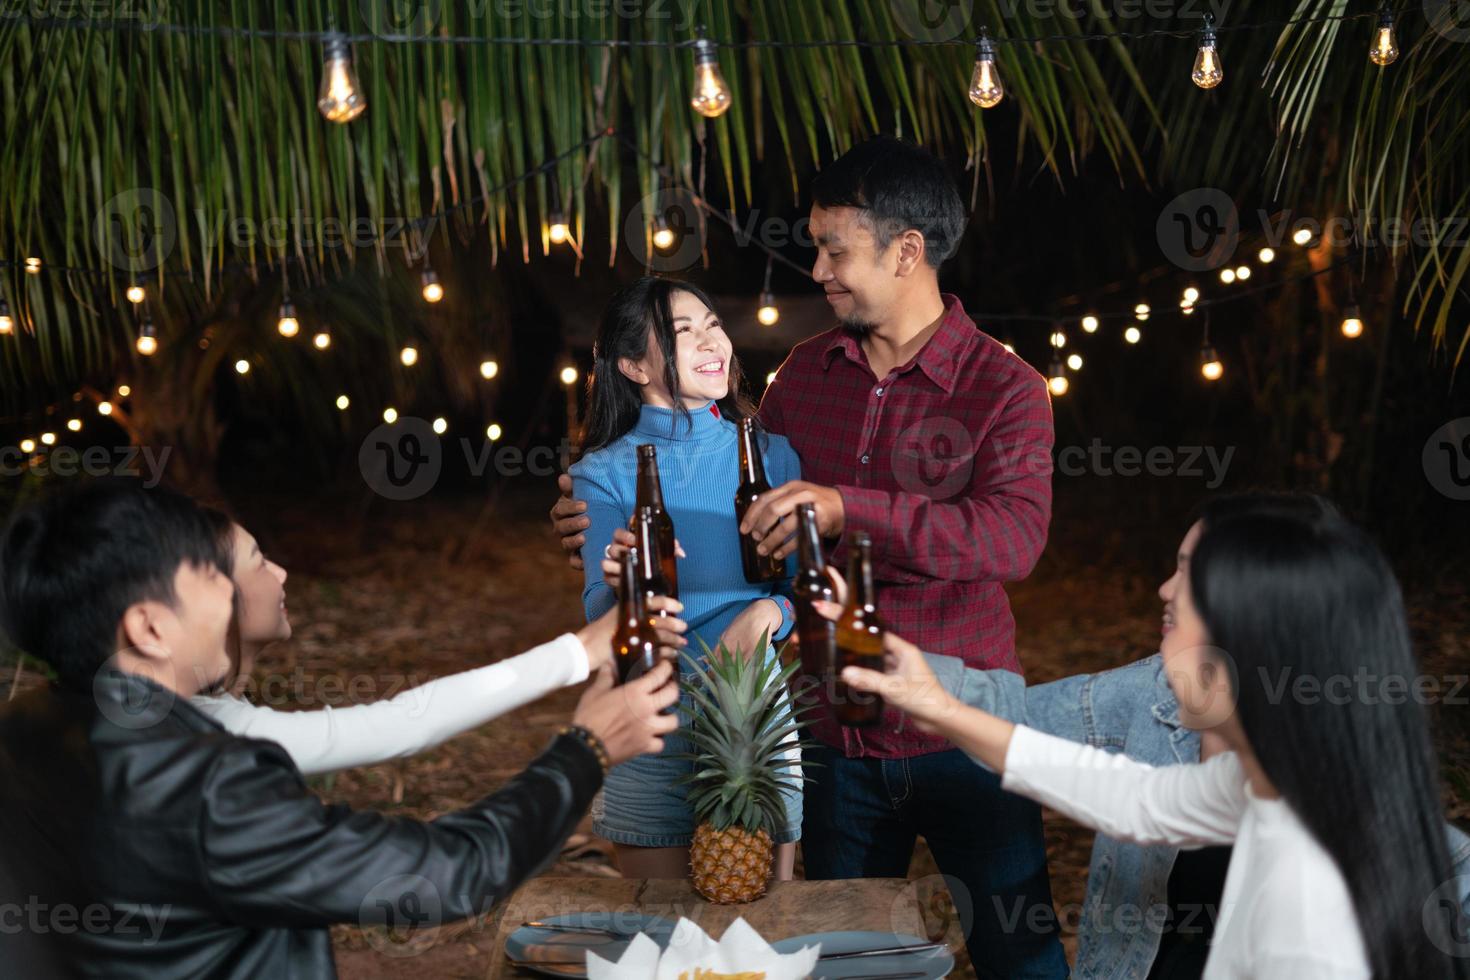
699 468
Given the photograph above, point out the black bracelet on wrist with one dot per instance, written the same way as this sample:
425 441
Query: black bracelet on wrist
587 738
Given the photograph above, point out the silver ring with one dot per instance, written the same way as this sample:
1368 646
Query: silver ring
607 551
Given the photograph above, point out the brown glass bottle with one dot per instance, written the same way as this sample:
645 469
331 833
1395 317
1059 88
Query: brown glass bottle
651 579
816 635
651 494
635 651
758 567
859 639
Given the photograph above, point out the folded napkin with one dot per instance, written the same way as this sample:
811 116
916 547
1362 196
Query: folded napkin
692 955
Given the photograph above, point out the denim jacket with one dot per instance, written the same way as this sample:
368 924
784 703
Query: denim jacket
1131 710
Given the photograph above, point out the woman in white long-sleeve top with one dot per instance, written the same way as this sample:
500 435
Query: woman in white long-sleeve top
1288 641
330 739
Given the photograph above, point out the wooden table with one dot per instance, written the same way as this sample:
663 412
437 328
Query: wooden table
790 908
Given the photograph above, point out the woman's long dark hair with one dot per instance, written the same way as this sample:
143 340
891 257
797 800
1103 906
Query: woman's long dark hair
636 312
1297 592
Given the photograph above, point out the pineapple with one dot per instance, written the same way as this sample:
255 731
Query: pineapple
741 773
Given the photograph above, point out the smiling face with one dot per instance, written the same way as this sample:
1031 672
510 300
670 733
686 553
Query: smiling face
702 356
1198 673
859 277
261 587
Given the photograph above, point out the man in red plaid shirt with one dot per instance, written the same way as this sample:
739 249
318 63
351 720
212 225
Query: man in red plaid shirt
927 434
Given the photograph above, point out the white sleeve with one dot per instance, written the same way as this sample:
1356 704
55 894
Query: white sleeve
420 718
1183 806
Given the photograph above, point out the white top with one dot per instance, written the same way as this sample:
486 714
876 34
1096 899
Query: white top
1286 912
418 719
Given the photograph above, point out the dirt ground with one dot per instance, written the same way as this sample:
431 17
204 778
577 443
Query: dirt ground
399 594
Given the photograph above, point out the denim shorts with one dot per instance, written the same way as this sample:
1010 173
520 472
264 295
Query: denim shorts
641 806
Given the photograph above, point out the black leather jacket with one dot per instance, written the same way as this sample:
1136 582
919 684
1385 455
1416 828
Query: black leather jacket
143 840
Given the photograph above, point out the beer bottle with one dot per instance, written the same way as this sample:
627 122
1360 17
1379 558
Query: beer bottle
651 494
753 483
634 650
816 635
859 639
651 579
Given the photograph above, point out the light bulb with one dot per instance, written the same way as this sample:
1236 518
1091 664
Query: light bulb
1141 311
340 98
343 401
1243 273
1208 71
390 415
1186 307
568 376
104 408
1267 255
135 292
1352 323
494 432
559 231
771 379
1227 276
1303 236
433 289
441 426
33 265
489 369
1009 346
7 324
1385 49
663 235
48 438
986 89
286 322
1191 294
74 425
28 445
1074 362
1059 339
1056 378
242 366
1090 324
1133 335
322 341
409 356
124 391
768 314
147 338
1209 363
711 94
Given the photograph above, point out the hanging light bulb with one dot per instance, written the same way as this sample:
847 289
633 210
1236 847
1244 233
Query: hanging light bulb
1267 255
7 323
322 341
1227 276
390 415
409 356
1059 339
489 369
986 89
28 445
242 366
48 438
74 425
1303 236
147 337
340 98
768 314
1352 323
1209 363
135 292
770 379
1242 273
1385 49
1186 307
33 266
1191 294
1074 362
433 290
1133 335
663 235
104 408
568 376
123 391
494 432
1090 324
559 230
441 426
1207 69
342 402
711 94
286 322
1141 311
1056 377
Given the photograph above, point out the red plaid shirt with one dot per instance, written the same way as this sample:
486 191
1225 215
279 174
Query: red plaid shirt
946 463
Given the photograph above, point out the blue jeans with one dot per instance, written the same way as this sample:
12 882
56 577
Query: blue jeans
863 815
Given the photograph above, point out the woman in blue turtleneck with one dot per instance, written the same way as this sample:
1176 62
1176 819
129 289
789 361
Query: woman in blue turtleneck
665 375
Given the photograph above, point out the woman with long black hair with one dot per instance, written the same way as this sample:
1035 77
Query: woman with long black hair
666 374
1289 642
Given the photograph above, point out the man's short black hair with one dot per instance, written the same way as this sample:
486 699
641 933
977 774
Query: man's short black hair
898 186
72 564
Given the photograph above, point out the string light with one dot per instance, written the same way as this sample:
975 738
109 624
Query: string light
1074 361
33 265
28 445
494 432
1133 335
770 379
7 323
409 356
559 231
1303 236
1141 311
441 426
123 391
342 402
1227 276
663 235
104 408
286 323
322 341
711 94
1385 49
1267 255
147 336
569 376
986 89
340 99
390 415
1243 273
1209 359
1352 323
1059 339
768 313
242 367
433 290
1191 294
74 425
1009 345
1090 324
1056 377
135 292
1208 71
1186 306
489 369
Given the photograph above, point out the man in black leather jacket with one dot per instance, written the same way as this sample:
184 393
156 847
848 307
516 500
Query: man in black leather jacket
143 840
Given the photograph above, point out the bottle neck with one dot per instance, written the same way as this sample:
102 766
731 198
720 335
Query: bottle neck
650 490
752 467
860 580
808 543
